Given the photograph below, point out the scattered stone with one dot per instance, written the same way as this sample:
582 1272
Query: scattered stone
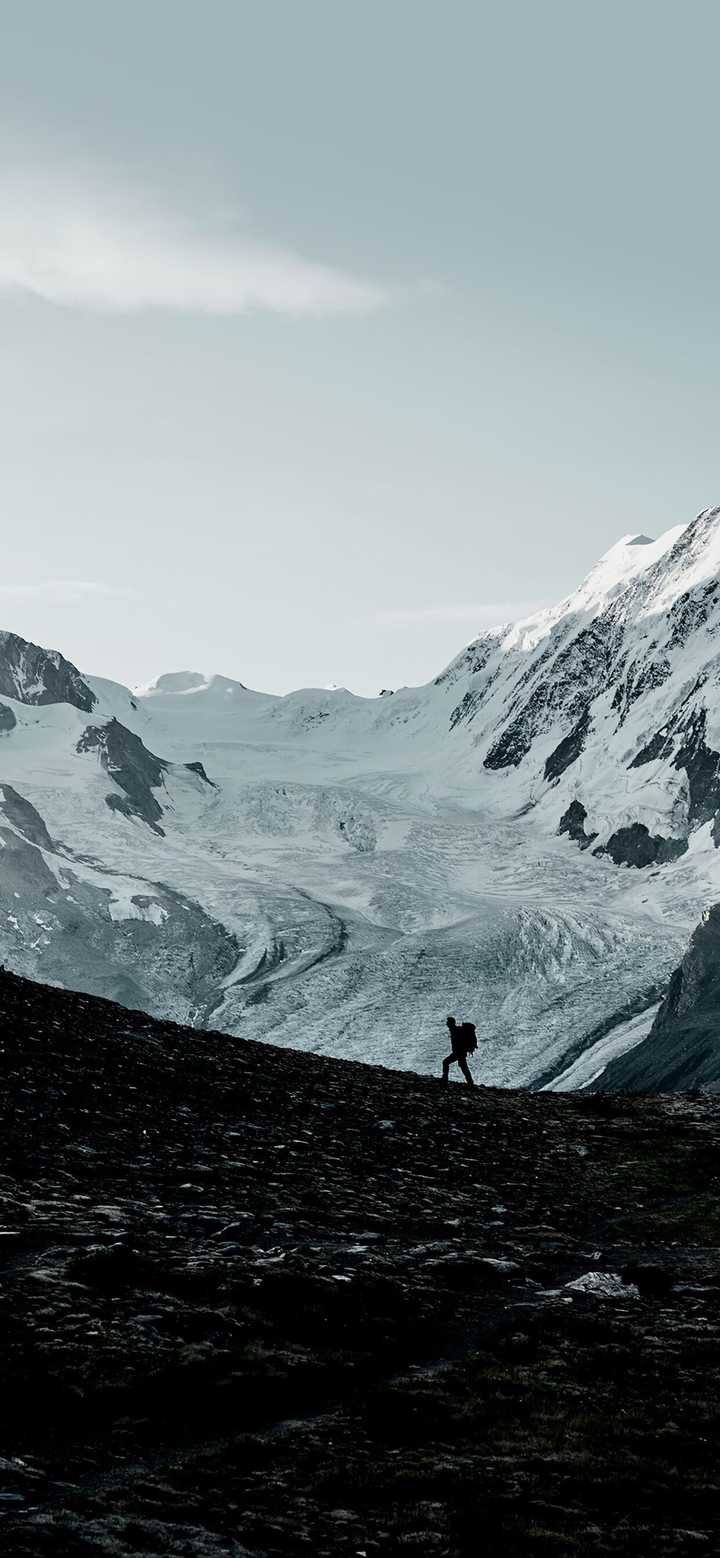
503 1265
603 1284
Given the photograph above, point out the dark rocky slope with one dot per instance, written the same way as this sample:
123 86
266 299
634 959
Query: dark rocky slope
35 675
682 1049
258 1302
133 768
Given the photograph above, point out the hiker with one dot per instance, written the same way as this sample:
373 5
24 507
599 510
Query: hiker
464 1040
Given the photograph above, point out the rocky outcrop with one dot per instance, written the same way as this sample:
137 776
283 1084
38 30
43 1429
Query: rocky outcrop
511 747
465 710
639 677
682 1049
470 661
702 766
25 877
562 680
630 846
691 611
145 947
573 822
133 768
660 745
198 768
684 741
568 750
37 676
260 1302
23 816
637 846
7 720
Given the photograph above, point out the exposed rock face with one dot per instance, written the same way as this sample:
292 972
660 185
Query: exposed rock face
633 650
7 720
636 846
138 947
36 676
471 660
137 771
564 679
25 876
198 768
691 611
259 1302
23 815
701 763
573 822
702 766
568 750
682 1049
640 677
659 745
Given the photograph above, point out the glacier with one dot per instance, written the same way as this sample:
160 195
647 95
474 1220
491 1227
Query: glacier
528 841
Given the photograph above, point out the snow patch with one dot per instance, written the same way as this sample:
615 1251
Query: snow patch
131 906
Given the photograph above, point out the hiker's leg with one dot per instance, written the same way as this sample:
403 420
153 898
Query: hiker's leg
446 1066
464 1067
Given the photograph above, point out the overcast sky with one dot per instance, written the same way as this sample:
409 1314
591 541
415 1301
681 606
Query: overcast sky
333 332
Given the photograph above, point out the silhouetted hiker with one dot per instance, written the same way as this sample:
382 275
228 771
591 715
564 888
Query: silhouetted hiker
463 1039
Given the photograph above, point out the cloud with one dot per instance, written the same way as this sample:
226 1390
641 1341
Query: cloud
80 239
57 592
483 613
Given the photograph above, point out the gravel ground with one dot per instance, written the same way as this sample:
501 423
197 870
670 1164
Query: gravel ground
260 1302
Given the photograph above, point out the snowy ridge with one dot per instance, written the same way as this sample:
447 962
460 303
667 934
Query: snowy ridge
39 676
610 576
529 839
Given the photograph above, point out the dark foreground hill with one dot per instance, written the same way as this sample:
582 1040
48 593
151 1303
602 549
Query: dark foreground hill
259 1302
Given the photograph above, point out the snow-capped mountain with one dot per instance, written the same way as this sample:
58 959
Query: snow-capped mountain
528 840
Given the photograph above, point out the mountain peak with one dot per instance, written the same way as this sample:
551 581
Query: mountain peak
180 683
633 554
33 675
177 681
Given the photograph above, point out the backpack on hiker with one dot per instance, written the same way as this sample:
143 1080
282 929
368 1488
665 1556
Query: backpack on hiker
468 1036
